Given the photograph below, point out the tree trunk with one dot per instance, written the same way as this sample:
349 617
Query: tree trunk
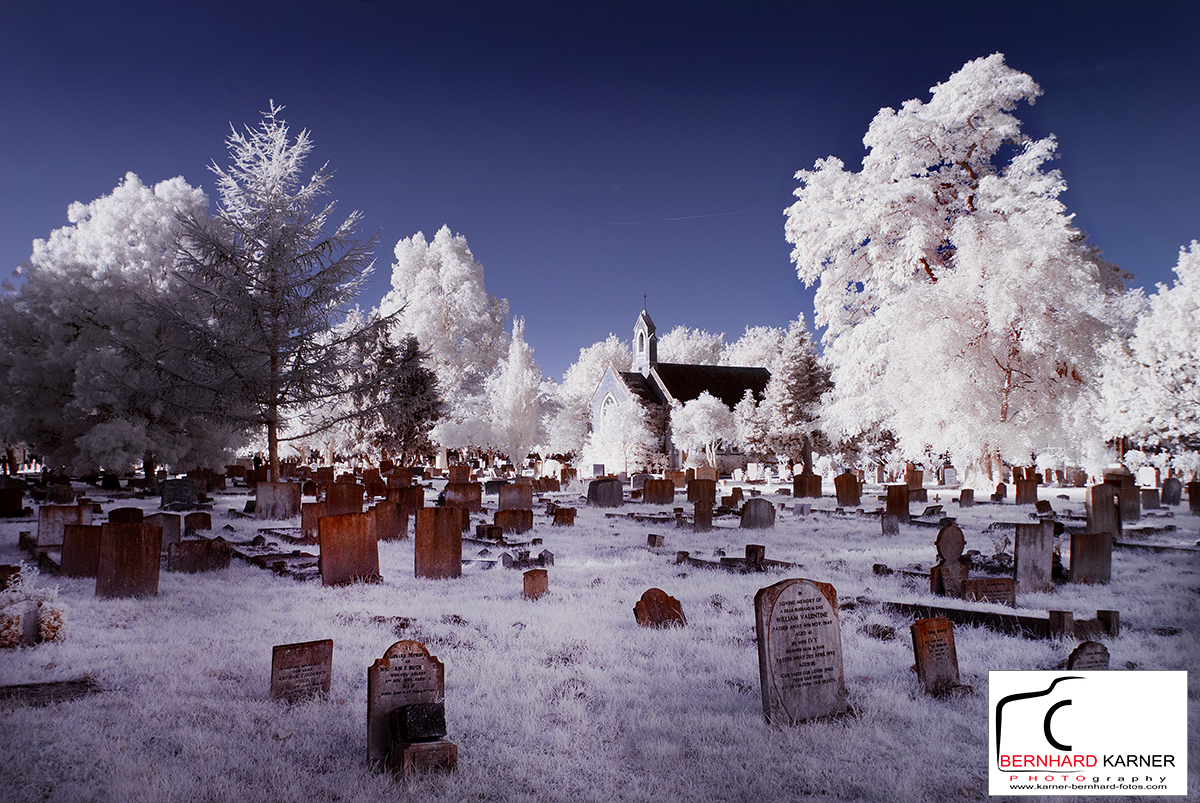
150 469
273 445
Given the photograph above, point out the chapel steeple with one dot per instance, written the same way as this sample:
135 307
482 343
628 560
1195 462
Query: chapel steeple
645 344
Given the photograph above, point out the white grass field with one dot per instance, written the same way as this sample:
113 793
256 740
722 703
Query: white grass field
564 698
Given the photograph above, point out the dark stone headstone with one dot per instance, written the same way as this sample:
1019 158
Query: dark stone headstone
1150 499
407 675
897 502
889 524
1172 491
1129 499
179 494
126 515
656 608
564 517
1088 656
1026 492
702 489
1193 489
438 543
605 492
658 492
1102 512
1033 556
848 490
200 520
513 497
702 515
937 660
758 514
303 670
343 498
129 560
949 575
514 521
410 498
1001 590
194 557
349 549
1001 491
806 486
1091 557
310 514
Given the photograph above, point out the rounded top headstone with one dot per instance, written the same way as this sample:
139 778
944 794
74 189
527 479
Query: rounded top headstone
950 542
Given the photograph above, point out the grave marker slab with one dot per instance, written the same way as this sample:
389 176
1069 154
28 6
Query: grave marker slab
1088 656
172 527
80 550
410 498
277 500
1026 492
126 515
806 486
391 523
200 520
1172 491
310 514
194 557
937 660
301 670
343 498
677 478
1129 499
799 651
1001 590
53 518
514 521
949 575
514 497
1150 499
1102 512
349 549
706 473
848 490
1091 557
1033 556
758 514
897 502
536 583
658 492
438 543
564 517
179 494
702 489
129 560
605 492
458 474
406 675
702 515
657 608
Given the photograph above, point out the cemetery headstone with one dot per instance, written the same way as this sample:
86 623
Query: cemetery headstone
799 651
194 557
702 489
897 502
515 497
638 481
342 498
658 492
1172 491
1088 656
1102 511
949 476
53 518
655 540
126 515
1129 499
605 492
914 478
966 498
514 521
678 478
80 550
937 660
349 549
1150 499
706 473
277 500
1091 557
758 514
172 527
889 524
1026 492
1193 489
564 517
1147 477
129 560
310 514
806 486
410 498
302 670
200 520
438 543
536 583
57 494
1043 507
848 490
1001 590
458 474
657 608
179 494
597 469
1033 556
1001 491
702 515
391 522
949 575
406 715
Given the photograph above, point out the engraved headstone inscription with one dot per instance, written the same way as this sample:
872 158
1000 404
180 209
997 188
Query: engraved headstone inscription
301 670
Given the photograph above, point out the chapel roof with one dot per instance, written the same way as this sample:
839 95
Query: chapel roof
726 382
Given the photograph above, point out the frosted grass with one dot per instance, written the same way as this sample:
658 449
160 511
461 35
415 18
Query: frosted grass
564 698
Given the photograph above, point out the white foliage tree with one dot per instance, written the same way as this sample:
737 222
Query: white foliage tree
71 393
702 424
438 295
958 299
792 404
624 436
758 347
567 426
691 346
1152 382
514 391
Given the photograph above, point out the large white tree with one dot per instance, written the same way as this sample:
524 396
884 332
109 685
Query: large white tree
516 399
691 346
792 405
702 424
438 295
71 393
758 347
959 300
273 284
1152 381
567 424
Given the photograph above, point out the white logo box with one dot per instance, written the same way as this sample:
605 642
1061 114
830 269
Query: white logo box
1087 733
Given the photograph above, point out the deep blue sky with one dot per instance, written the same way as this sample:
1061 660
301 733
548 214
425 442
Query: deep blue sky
590 151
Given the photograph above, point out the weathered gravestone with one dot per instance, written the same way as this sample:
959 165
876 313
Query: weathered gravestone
655 540
806 486
914 477
324 474
702 516
1091 557
391 522
1033 557
458 474
657 608
342 498
966 498
897 502
638 481
438 544
126 515
1026 492
564 517
1129 499
53 518
605 492
1150 499
311 514
60 494
706 473
1172 491
194 557
200 520
1102 513
1001 590
514 521
80 550
949 476
702 490
129 560
179 494
948 576
302 670
1043 507
758 514
349 549
889 524
937 660
1193 489
799 651
12 502
536 583
1001 492
678 478
658 492
410 498
848 490
513 497
406 711
277 500
1088 656
172 527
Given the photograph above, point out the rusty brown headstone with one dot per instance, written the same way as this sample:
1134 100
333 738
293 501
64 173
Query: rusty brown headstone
848 490
897 502
564 517
391 522
514 521
349 549
656 608
658 492
806 486
1000 590
702 515
799 651
193 557
1091 557
1026 492
937 660
702 490
458 473
129 559
342 498
537 583
1102 512
80 550
706 473
515 497
200 520
302 670
1088 656
310 514
948 576
465 495
438 544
